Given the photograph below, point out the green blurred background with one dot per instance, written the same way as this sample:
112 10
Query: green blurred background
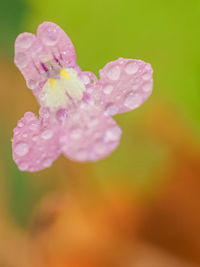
158 161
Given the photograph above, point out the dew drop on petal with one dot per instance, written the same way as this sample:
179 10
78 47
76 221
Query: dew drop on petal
50 36
100 148
61 115
20 124
131 68
44 112
113 134
147 87
81 155
21 60
23 166
16 131
26 41
21 149
133 100
76 133
34 126
135 87
35 138
85 79
107 89
47 163
146 76
29 116
148 66
32 84
111 110
113 73
47 134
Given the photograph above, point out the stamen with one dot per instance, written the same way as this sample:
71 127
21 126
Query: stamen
52 82
60 90
64 74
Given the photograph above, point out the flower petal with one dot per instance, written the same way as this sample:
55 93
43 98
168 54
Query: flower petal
27 59
39 56
123 86
57 43
35 147
89 135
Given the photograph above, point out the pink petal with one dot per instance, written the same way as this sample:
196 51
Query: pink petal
89 135
36 56
123 86
34 146
57 43
27 51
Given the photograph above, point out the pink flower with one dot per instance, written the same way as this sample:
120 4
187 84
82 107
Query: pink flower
76 108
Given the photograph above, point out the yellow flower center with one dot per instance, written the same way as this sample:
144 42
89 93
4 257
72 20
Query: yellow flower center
56 93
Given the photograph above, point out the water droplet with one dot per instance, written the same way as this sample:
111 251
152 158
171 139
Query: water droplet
133 100
32 84
26 41
44 112
61 115
135 87
47 134
34 126
16 131
147 87
50 36
148 66
47 163
131 67
100 148
81 155
85 79
107 89
21 60
35 138
23 166
21 149
146 76
76 133
42 96
113 134
29 116
111 110
20 124
113 73
25 135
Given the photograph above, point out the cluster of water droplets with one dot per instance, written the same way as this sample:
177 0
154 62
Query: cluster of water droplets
125 85
32 145
91 135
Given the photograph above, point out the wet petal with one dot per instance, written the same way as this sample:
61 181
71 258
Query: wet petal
123 86
89 135
34 146
27 51
40 57
57 43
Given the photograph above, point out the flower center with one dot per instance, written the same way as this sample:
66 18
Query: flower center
56 93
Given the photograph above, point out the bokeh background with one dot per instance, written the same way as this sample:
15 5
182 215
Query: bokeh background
140 206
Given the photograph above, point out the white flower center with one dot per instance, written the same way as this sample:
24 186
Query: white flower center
56 93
